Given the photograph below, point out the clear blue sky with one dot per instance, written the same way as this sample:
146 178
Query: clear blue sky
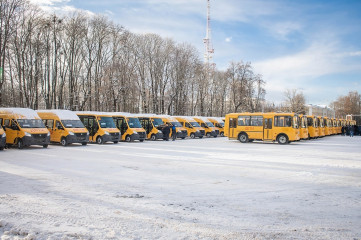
311 45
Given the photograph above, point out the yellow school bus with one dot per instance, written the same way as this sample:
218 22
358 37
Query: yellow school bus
152 125
312 125
209 128
193 128
181 131
246 127
64 126
129 126
339 126
23 127
321 126
328 126
101 127
2 138
303 127
218 123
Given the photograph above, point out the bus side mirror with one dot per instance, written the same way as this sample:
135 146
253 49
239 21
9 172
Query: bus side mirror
14 127
60 127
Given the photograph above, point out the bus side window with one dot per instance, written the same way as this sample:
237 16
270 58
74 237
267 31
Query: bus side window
7 123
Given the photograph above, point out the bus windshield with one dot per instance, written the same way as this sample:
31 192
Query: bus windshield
31 123
72 124
106 122
209 124
176 124
195 124
157 122
134 123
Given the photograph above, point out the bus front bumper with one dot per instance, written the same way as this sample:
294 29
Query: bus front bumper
182 134
111 137
78 138
2 141
36 139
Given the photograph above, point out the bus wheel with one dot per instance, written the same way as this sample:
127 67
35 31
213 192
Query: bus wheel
84 143
115 142
222 134
127 138
192 135
243 137
282 139
64 142
20 144
208 135
141 140
201 137
100 140
215 136
45 146
153 137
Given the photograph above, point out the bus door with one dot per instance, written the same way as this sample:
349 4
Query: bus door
232 130
267 130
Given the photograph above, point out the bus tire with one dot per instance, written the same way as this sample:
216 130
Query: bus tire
45 146
115 142
208 135
141 140
201 137
100 140
222 134
192 135
215 136
20 144
183 137
282 139
1 148
84 143
153 137
243 137
64 142
127 138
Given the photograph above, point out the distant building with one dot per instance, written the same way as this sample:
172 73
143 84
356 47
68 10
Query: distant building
320 110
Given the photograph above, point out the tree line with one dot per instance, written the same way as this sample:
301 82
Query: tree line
87 62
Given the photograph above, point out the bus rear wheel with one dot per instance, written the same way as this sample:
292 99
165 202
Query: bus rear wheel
153 137
100 140
243 137
282 139
64 142
20 144
192 135
128 139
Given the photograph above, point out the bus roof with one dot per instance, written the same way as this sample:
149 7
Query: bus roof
20 113
62 114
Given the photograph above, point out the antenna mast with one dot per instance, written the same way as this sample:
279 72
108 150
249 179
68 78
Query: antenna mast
208 54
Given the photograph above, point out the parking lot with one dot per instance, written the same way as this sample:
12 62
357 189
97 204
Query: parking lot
209 188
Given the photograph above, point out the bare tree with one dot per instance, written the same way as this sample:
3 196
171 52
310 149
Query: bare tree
295 101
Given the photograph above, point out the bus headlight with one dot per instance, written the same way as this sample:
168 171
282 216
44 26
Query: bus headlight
71 133
159 131
106 133
27 134
179 131
197 131
135 132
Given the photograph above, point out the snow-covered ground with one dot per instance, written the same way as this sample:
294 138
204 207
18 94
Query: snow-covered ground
187 189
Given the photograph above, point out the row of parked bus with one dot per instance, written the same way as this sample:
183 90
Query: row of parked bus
281 127
24 127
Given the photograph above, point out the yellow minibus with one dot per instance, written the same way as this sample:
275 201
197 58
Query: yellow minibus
219 124
246 127
101 127
328 126
303 127
152 124
2 138
312 125
129 126
181 131
321 126
193 128
64 126
209 128
23 127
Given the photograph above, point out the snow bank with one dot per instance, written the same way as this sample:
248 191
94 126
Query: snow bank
21 113
62 114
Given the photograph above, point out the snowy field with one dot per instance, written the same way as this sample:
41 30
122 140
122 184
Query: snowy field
187 189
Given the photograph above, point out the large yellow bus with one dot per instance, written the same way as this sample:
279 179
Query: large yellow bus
153 125
210 130
129 127
321 126
246 127
328 126
219 124
312 124
181 131
23 127
303 127
2 138
101 127
193 128
64 126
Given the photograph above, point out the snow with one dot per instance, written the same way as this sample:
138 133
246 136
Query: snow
62 114
209 188
22 113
